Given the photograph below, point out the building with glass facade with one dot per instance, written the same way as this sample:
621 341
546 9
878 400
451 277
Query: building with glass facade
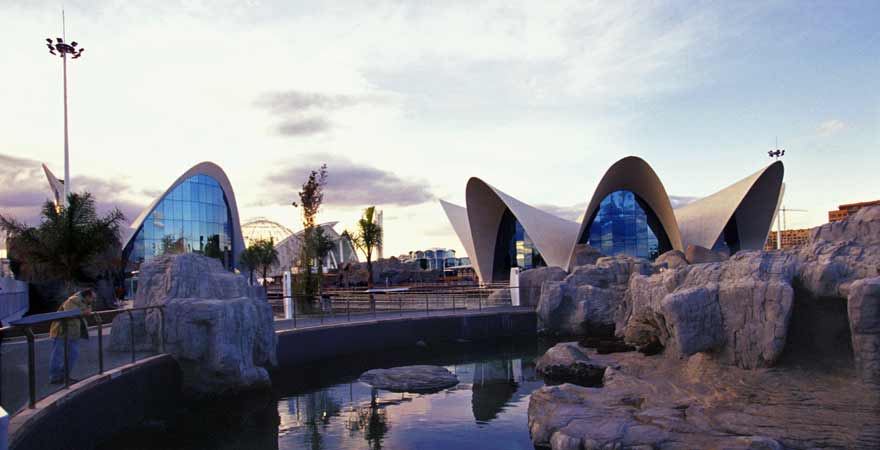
197 214
629 213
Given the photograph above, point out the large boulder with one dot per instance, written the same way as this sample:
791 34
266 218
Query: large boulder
673 259
218 328
864 317
568 362
417 379
841 252
588 301
738 309
531 281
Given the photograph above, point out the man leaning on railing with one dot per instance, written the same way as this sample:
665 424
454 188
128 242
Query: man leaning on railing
75 329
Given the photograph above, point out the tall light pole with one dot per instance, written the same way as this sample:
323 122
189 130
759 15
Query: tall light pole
63 50
777 154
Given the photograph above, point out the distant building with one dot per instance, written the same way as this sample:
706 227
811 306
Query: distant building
844 211
342 252
260 228
434 258
790 238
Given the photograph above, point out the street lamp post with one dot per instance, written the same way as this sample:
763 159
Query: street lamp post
63 50
776 154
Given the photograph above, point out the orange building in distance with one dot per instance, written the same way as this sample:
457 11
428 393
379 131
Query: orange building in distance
790 238
844 211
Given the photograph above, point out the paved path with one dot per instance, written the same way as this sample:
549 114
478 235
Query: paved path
14 379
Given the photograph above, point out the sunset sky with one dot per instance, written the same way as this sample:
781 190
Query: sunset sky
405 101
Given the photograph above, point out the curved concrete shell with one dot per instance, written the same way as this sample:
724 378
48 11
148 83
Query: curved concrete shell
458 217
215 172
635 175
743 210
551 235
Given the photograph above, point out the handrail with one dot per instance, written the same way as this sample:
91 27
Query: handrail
26 323
342 304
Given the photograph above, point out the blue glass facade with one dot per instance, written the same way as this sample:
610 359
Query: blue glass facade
623 224
514 248
193 217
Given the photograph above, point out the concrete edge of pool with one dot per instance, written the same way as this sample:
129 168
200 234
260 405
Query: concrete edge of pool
101 406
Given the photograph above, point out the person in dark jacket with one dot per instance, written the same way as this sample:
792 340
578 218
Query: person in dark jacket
74 329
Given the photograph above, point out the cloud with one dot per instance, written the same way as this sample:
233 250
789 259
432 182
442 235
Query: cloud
304 126
24 190
830 127
572 212
348 184
305 113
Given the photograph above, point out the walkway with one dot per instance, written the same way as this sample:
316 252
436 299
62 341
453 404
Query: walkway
14 379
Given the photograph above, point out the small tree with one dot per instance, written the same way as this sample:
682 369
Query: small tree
311 196
366 238
261 254
321 246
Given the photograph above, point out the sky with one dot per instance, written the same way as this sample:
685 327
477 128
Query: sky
404 101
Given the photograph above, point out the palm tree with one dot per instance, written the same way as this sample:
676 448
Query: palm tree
367 237
248 259
261 254
69 242
321 246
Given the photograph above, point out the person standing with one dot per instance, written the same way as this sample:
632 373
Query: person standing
74 329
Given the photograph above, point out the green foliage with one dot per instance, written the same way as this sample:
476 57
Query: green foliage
367 238
260 255
69 244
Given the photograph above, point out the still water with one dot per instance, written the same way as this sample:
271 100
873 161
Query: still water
325 407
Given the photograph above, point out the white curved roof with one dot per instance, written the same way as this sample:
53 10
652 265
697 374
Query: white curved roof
552 236
752 201
634 174
214 171
458 217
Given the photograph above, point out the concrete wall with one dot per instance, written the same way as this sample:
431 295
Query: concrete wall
13 299
99 407
309 345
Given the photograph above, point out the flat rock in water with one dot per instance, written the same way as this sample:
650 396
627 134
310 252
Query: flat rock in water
410 378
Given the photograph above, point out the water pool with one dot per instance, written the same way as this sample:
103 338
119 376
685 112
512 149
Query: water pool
325 407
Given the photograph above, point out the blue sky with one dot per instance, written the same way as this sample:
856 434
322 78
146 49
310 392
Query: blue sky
406 100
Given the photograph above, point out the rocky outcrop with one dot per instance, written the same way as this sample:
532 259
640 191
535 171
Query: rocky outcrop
841 252
589 300
585 255
673 259
218 328
658 403
863 307
738 310
417 379
695 254
531 281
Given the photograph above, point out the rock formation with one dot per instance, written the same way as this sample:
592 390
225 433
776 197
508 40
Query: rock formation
218 328
658 403
417 379
736 309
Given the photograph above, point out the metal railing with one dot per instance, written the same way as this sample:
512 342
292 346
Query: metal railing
27 323
347 305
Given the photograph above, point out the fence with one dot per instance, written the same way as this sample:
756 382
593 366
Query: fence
27 325
345 305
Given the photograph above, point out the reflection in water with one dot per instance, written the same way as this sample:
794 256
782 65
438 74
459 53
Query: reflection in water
488 406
